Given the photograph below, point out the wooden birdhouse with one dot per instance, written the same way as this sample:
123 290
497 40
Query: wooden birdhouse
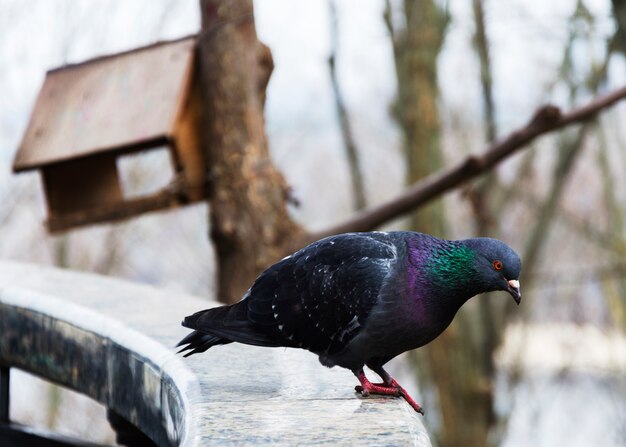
90 116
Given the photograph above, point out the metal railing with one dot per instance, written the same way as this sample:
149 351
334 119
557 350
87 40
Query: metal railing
114 342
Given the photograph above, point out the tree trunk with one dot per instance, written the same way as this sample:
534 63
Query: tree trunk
451 364
248 195
416 49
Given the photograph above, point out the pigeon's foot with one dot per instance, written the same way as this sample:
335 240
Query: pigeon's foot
417 407
392 388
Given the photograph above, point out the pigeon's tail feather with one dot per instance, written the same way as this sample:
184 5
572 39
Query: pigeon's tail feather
223 325
199 342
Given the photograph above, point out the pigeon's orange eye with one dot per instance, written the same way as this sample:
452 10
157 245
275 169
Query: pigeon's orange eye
497 265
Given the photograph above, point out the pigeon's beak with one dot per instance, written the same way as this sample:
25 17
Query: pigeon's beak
513 289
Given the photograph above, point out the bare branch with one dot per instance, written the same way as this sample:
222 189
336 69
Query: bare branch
546 119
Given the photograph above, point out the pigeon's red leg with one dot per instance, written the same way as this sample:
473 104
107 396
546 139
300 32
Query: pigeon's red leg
389 387
417 407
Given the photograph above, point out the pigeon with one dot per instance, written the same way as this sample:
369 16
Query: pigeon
360 299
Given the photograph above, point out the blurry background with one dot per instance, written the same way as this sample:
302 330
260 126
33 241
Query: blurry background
434 79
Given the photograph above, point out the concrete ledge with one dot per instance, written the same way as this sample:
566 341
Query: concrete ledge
113 341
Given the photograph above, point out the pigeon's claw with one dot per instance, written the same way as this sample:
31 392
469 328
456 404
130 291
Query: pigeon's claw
392 388
417 407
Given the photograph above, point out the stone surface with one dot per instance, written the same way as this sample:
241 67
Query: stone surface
113 341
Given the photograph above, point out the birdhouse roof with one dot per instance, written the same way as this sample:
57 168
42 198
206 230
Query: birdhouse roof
119 103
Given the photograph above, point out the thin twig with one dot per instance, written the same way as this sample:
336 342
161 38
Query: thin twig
486 81
481 198
611 242
569 151
344 121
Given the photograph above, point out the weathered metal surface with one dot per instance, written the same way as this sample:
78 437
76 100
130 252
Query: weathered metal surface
231 395
107 104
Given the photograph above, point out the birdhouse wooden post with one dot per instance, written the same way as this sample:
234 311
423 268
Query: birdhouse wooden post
88 115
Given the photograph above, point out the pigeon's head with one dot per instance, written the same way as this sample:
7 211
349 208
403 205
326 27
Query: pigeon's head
497 265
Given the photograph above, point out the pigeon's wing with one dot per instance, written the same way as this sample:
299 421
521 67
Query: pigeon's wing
320 297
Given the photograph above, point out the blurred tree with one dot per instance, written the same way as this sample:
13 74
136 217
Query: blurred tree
452 364
416 47
352 153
